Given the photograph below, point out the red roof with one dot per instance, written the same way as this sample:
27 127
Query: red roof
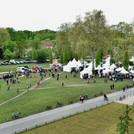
105 57
47 44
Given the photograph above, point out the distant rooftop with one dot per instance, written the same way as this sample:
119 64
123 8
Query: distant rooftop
47 44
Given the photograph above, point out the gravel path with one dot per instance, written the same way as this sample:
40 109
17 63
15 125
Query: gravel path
55 114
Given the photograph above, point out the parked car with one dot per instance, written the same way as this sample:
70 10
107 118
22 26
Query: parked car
12 61
18 62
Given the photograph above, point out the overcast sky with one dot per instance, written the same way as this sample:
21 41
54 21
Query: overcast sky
50 14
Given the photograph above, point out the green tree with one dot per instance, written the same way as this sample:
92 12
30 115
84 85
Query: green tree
126 60
61 57
98 58
34 54
8 54
111 57
66 55
35 43
42 54
4 37
124 123
19 50
29 53
11 45
95 31
50 56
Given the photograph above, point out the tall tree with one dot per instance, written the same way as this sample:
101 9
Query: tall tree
42 54
98 58
95 31
50 56
126 60
66 55
62 40
123 125
61 57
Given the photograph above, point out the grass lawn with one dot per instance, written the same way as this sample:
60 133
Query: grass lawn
6 68
24 82
34 99
102 120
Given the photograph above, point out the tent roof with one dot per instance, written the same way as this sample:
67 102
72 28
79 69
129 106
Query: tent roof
123 71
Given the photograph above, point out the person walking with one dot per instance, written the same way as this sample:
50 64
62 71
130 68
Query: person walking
27 88
123 88
113 86
8 88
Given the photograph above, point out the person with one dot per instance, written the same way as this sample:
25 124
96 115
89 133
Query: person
105 97
113 86
8 87
62 84
27 88
123 88
66 76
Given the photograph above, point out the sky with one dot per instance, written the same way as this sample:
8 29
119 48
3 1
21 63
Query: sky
50 14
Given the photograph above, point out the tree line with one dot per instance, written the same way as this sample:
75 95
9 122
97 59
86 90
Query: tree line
87 36
17 44
92 36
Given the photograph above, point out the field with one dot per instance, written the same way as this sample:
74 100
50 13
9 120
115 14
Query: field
102 120
50 92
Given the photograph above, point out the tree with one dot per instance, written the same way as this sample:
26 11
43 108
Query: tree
95 31
19 50
8 54
111 57
11 45
66 55
61 57
124 123
34 54
126 60
29 53
98 58
50 56
36 43
62 38
4 37
42 54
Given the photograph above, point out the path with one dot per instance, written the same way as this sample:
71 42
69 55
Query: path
55 114
73 85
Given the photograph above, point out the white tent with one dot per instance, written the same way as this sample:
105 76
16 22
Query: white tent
72 64
107 70
123 71
132 71
119 69
112 67
86 71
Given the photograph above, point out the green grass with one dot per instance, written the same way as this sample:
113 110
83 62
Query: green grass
32 100
102 120
6 68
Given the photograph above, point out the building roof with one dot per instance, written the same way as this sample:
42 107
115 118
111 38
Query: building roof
47 44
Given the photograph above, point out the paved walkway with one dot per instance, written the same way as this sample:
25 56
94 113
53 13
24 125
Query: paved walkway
55 114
